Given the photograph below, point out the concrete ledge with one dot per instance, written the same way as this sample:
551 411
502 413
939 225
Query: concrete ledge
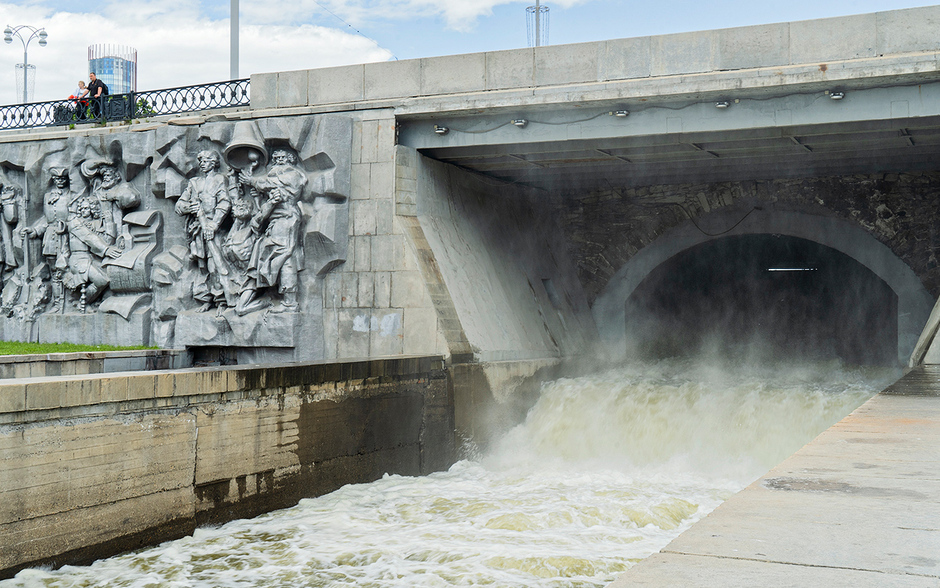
40 365
104 393
817 42
644 92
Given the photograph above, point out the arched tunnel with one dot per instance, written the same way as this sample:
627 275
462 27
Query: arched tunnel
764 294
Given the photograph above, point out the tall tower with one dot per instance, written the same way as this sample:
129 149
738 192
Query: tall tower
115 65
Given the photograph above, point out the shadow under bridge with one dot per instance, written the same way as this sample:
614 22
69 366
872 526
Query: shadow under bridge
857 297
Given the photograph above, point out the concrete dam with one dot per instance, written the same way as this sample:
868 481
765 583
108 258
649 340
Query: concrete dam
709 246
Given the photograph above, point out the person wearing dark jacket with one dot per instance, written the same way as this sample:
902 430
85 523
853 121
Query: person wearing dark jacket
96 89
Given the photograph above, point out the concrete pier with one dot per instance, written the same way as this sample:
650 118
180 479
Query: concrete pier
858 506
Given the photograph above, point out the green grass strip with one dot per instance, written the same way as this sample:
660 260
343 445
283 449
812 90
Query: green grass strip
19 348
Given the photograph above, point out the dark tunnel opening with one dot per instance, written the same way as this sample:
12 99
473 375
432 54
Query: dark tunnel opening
768 294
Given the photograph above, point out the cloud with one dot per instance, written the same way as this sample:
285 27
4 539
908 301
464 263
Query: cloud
459 15
175 46
178 44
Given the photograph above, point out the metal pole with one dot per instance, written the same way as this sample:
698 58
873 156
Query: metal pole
234 41
538 24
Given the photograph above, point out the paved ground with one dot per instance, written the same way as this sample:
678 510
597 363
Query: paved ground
859 506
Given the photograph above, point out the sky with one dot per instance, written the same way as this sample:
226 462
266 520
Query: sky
182 42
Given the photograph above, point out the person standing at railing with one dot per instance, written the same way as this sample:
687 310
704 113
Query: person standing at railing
80 95
80 92
97 90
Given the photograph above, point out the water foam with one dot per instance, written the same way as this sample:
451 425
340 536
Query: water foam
606 470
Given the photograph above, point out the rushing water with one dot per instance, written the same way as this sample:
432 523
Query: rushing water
606 470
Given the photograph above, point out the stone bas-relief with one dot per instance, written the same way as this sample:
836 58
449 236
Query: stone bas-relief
275 259
52 229
17 278
206 204
210 235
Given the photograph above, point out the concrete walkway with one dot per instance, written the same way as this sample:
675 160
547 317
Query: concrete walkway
858 506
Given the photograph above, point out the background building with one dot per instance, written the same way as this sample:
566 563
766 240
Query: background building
115 65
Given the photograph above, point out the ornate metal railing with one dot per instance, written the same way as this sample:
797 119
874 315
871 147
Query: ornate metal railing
131 106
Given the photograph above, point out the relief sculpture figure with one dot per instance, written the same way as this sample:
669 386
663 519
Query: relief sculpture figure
238 247
206 203
52 228
90 241
277 256
12 211
114 196
15 274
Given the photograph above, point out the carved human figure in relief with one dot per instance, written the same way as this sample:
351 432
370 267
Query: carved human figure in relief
90 241
206 202
114 196
277 256
238 248
12 213
52 228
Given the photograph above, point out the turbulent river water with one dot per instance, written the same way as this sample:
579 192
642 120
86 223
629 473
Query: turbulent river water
606 470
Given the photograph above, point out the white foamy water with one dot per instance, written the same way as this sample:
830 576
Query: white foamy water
606 470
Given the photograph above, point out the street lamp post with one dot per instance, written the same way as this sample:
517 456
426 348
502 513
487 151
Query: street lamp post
10 32
233 38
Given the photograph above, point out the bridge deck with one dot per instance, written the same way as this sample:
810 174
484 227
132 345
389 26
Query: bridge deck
858 506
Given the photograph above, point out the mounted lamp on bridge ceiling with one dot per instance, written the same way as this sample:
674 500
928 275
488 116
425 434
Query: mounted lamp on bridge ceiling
519 122
722 104
835 95
621 113
440 130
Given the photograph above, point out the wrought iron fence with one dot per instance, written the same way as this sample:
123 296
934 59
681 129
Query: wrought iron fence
130 106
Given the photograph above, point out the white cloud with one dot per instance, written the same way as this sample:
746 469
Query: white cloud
458 14
178 45
175 47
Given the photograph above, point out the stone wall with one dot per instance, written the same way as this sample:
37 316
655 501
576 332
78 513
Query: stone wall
94 465
882 221
193 232
606 229
376 303
307 259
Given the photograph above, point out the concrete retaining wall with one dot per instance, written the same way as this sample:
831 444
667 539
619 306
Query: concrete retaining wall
94 465
501 256
91 362
504 289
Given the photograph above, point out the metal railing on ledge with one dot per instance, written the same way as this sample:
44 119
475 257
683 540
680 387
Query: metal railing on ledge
118 107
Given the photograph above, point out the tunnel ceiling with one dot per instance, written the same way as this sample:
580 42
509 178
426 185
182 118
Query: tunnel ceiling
896 145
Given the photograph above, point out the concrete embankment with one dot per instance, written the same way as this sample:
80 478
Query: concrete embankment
39 365
92 465
858 506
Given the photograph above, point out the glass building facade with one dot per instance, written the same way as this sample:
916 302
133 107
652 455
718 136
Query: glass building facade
114 65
